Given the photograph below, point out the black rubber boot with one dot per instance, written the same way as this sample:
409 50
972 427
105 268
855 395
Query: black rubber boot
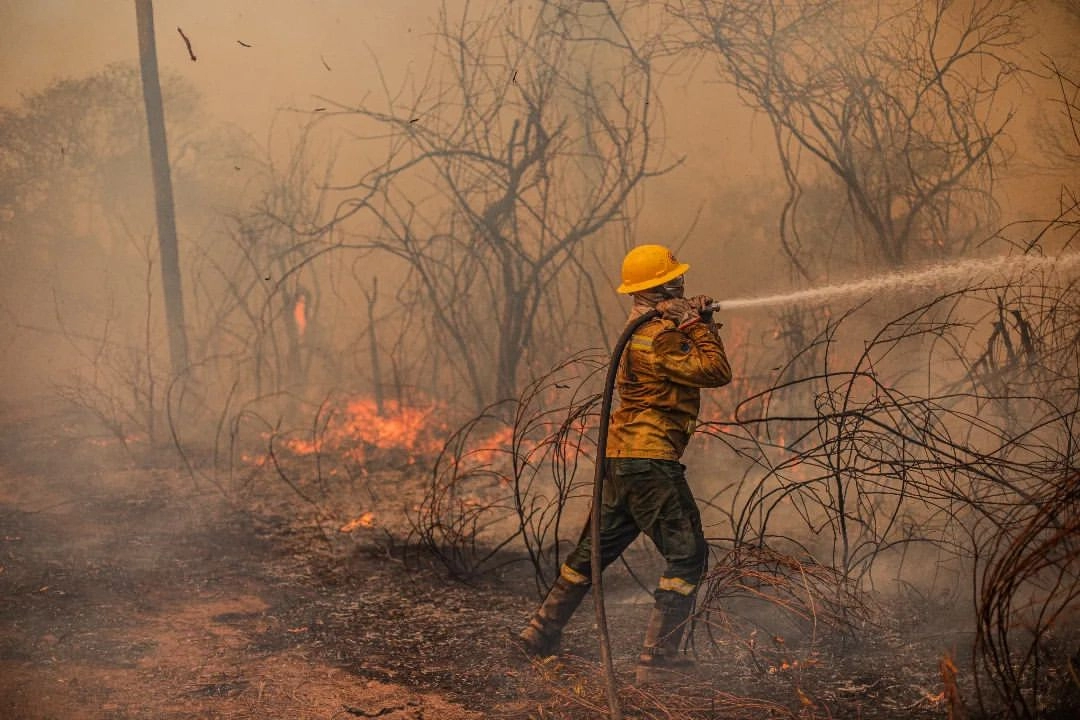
667 623
542 635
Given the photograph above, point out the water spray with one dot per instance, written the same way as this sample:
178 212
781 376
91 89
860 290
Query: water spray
964 270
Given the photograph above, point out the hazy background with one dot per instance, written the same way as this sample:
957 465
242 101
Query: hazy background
718 207
894 448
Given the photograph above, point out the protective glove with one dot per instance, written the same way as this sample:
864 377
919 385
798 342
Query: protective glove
701 303
679 311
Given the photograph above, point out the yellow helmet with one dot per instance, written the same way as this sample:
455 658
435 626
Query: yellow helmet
648 266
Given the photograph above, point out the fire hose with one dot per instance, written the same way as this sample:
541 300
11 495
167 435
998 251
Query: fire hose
597 499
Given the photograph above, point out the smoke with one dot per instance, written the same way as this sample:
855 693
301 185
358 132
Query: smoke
253 57
284 312
266 68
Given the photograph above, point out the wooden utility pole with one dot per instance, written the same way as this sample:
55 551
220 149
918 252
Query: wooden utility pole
163 194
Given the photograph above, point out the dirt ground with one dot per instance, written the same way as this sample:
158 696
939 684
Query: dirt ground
131 590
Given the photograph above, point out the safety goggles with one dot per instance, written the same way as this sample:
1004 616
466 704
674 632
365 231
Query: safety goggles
675 286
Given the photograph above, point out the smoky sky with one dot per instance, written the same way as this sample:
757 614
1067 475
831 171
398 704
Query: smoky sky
253 57
258 58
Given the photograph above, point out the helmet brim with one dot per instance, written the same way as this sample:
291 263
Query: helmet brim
629 288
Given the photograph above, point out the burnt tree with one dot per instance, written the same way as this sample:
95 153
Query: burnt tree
520 151
897 108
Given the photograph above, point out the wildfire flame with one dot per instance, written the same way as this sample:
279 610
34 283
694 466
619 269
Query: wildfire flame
950 693
491 447
360 428
300 314
363 431
364 521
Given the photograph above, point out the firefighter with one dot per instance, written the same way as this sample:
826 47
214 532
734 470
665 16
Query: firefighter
668 360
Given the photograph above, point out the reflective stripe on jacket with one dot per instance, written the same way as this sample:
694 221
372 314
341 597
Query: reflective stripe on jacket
659 381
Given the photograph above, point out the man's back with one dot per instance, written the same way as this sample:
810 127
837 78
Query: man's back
659 385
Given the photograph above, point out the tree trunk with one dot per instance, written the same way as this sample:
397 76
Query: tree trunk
376 372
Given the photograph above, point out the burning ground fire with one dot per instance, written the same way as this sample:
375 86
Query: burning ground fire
366 520
476 467
361 428
361 432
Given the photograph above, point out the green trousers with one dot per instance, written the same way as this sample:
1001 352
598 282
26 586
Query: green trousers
643 495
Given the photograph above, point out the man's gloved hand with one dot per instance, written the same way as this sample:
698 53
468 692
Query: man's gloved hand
679 311
701 303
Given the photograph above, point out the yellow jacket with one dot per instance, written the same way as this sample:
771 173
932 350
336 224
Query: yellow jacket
659 381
